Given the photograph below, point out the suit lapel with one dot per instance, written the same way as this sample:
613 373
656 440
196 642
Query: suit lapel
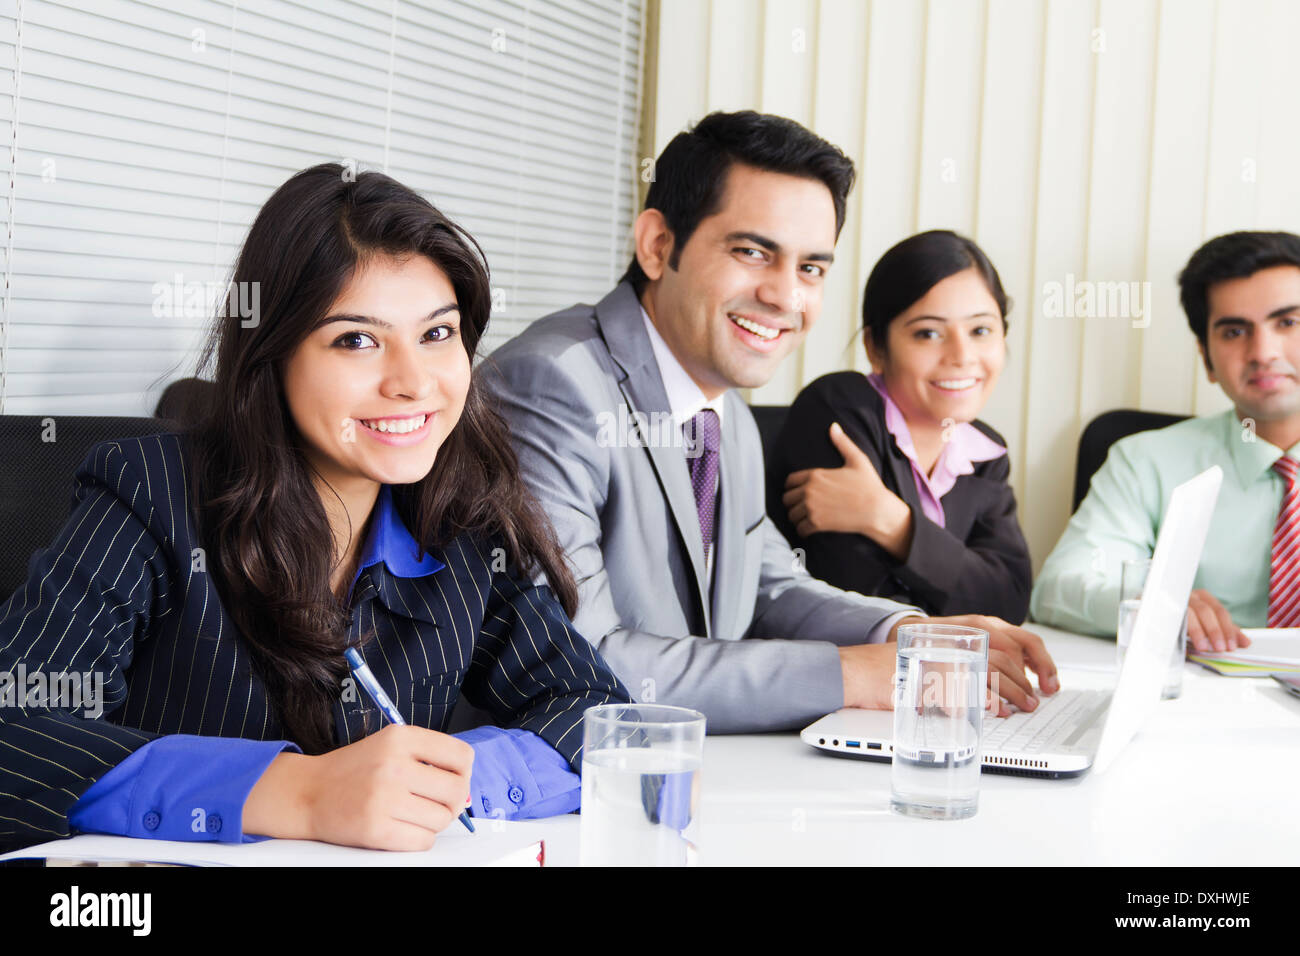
621 326
904 480
729 557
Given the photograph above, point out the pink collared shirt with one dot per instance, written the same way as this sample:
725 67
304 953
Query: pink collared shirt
964 446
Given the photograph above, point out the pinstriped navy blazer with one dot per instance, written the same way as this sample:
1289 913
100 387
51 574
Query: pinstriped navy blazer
123 593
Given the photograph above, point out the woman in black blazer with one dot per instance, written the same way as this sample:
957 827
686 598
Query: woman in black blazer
349 486
888 482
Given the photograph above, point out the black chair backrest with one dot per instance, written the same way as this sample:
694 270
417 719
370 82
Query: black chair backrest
41 455
770 419
1102 432
185 400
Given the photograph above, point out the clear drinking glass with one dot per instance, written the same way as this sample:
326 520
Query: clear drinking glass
939 695
641 785
1133 578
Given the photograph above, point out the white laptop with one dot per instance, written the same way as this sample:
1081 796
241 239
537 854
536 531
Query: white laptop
1074 730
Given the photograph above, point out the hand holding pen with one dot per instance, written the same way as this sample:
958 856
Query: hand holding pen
366 679
395 789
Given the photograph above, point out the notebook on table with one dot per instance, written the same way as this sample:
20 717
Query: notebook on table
1272 650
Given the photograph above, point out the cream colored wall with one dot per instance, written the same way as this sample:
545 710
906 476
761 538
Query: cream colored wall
1103 139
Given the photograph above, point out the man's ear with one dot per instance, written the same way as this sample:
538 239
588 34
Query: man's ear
1205 357
653 243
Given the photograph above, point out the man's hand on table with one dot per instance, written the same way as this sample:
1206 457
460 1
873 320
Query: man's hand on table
868 669
1210 626
1011 650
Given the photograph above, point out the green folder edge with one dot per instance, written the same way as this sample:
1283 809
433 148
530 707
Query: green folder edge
1236 669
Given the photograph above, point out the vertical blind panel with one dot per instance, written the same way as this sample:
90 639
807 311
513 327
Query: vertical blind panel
149 135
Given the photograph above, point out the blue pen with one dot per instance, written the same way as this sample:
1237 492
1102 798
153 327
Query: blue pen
367 680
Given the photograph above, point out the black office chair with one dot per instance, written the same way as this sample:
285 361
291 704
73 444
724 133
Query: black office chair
770 419
1102 432
41 455
185 401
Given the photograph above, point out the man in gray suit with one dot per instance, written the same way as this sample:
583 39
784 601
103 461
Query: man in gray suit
630 433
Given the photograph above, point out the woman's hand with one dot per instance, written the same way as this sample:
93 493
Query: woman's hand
851 498
394 790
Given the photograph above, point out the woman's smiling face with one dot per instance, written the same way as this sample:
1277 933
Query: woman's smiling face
377 386
945 352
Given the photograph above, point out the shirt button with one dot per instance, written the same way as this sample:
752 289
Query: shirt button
487 807
151 820
515 794
214 823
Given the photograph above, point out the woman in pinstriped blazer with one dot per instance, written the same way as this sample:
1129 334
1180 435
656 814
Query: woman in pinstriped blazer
348 486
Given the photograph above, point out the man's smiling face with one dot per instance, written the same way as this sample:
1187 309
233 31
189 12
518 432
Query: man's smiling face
748 282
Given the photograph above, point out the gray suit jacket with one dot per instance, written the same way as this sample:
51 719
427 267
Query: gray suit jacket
590 419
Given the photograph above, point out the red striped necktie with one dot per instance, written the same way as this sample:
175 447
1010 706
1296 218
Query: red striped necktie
1284 571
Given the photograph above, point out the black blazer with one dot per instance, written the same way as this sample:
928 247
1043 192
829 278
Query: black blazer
122 592
978 563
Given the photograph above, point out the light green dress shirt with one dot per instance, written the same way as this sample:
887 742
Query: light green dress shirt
1078 588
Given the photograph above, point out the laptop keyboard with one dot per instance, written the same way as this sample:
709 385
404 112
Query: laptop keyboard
1056 718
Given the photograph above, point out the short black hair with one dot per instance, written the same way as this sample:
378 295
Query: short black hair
912 268
1233 256
690 175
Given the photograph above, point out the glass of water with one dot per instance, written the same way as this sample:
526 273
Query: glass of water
939 694
641 785
1133 578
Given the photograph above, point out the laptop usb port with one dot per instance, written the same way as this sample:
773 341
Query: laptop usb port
852 743
871 746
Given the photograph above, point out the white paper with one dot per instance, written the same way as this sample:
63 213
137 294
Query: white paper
1268 645
496 842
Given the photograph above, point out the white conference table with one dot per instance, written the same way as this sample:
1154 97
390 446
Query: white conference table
1211 779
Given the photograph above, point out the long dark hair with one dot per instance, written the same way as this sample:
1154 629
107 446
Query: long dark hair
262 521
911 268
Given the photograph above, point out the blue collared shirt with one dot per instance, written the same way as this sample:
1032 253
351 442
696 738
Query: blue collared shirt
187 787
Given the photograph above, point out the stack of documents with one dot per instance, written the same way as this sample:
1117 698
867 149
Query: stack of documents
1271 651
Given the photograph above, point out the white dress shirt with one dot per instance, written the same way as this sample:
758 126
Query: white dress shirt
685 399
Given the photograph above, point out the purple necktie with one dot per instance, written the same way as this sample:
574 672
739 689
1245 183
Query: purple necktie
703 439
